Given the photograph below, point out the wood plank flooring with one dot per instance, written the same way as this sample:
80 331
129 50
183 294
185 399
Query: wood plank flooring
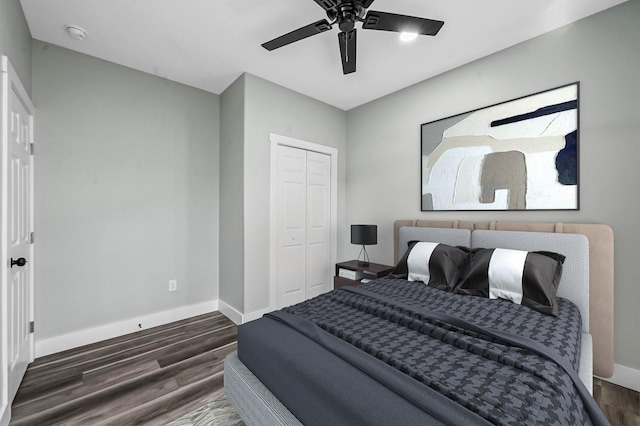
157 375
620 405
150 377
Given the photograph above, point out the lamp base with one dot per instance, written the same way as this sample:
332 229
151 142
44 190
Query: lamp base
365 258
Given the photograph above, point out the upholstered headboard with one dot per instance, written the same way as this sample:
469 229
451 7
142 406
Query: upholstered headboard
600 271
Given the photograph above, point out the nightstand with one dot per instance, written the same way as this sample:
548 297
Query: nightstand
370 271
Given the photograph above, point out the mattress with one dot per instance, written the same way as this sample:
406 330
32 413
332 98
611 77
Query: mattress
395 352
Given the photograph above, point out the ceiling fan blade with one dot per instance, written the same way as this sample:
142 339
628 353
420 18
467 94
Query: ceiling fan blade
365 3
299 34
347 41
327 4
384 21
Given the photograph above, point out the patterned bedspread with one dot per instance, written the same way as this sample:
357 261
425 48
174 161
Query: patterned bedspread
503 383
489 378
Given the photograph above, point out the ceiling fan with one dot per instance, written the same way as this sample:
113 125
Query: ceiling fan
346 13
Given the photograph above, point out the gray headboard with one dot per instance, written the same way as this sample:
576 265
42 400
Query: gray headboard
452 237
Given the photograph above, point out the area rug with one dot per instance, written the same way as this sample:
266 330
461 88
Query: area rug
216 413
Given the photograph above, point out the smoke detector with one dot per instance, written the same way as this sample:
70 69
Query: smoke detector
76 32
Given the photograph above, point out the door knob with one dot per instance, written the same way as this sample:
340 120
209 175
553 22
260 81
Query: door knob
21 261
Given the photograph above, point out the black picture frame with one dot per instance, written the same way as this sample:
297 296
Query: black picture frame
521 154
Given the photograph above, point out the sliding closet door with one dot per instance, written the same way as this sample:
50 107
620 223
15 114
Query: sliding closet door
291 214
304 225
318 223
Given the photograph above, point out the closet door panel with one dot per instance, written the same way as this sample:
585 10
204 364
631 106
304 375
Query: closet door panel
292 206
319 277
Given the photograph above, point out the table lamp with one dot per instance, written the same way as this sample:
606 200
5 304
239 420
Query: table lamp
365 235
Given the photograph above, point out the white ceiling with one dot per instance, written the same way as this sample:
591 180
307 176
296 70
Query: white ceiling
209 43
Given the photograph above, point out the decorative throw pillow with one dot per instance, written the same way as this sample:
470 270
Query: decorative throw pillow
527 278
438 265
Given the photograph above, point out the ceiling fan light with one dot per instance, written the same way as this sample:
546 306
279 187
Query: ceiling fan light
407 36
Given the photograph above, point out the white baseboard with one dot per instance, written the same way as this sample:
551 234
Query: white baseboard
238 317
5 414
108 331
230 312
624 376
255 315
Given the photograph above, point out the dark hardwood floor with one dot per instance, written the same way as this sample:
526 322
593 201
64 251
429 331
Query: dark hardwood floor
157 375
150 377
620 405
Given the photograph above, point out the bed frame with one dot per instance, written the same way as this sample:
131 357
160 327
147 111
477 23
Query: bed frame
592 273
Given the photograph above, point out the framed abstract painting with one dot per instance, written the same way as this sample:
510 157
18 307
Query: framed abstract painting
516 155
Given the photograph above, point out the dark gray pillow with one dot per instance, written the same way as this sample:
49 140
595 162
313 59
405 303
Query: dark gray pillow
437 265
528 278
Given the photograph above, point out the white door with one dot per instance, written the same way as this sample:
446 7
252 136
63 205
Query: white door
319 277
291 214
303 264
17 221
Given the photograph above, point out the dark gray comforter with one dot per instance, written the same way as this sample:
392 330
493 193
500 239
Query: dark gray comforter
395 352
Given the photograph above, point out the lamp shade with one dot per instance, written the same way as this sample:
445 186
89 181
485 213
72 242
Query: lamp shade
364 234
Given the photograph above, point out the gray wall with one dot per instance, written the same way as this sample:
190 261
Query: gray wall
602 53
126 192
232 102
15 40
270 108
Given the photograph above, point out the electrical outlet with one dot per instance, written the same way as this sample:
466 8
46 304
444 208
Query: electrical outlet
173 285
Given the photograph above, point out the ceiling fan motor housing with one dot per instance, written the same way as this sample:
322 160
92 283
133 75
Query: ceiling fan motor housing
346 14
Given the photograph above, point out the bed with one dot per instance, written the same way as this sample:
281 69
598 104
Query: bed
399 352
